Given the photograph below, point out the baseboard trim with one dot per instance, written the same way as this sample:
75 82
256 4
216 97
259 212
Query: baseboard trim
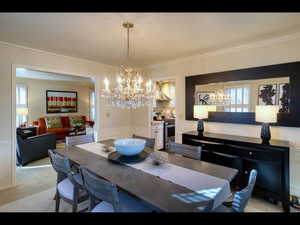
7 187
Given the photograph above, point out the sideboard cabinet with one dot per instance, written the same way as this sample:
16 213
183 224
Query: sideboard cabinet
245 153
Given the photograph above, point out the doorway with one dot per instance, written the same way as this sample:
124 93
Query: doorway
163 113
30 102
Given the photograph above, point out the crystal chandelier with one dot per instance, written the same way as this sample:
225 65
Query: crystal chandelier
129 91
219 98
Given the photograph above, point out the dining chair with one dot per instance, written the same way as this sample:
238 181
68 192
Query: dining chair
241 198
105 197
81 139
69 185
150 142
193 152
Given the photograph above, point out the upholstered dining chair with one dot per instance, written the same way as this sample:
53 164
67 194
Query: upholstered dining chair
241 198
81 139
193 152
105 196
150 142
69 186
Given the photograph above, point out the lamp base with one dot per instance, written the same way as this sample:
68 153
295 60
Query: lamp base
265 133
200 127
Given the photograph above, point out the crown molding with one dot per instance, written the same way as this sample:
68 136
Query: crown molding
242 47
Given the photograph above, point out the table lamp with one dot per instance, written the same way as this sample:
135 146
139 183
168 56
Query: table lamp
22 112
200 113
266 114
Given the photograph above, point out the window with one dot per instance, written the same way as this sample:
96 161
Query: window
240 98
21 104
92 105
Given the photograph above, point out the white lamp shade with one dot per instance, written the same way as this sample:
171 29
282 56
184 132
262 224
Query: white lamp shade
201 111
22 111
266 113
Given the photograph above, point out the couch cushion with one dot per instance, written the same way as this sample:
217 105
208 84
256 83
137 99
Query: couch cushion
58 130
65 121
53 122
76 121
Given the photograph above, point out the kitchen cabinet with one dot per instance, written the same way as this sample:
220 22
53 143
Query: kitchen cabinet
169 90
172 95
158 134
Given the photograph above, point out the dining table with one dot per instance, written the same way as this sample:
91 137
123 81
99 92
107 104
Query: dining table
159 192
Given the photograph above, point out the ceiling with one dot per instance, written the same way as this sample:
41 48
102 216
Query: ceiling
34 74
155 38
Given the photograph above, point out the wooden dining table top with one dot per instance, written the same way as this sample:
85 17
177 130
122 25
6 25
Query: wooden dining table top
155 191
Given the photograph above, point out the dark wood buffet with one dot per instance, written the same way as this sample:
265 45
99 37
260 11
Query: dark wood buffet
246 153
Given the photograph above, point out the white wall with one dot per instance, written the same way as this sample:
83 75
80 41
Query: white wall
11 54
140 121
275 51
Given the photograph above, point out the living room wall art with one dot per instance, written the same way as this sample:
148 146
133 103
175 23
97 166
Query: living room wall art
61 101
202 98
284 97
267 94
275 94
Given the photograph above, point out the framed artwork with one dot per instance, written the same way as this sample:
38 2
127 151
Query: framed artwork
202 98
61 101
267 94
284 97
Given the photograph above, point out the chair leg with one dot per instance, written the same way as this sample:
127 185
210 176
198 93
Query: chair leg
57 202
74 208
75 198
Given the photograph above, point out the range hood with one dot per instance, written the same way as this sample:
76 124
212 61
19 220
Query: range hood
160 96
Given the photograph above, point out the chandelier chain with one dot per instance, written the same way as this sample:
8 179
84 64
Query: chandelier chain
128 43
129 92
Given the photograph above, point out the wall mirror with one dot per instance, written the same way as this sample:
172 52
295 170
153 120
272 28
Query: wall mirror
243 96
237 92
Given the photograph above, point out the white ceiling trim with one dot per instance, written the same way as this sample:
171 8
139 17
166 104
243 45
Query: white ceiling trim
54 54
40 75
221 51
242 47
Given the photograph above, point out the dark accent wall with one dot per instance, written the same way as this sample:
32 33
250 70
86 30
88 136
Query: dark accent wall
292 70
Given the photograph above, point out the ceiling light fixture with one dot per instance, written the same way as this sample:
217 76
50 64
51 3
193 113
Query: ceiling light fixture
130 91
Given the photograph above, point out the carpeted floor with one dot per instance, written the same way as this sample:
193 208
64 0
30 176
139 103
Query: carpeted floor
43 202
39 202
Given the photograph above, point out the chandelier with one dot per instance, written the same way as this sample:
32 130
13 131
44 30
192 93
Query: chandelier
219 98
130 91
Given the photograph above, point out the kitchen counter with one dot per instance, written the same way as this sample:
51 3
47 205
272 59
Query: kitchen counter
157 122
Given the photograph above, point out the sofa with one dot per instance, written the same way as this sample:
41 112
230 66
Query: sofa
61 125
33 148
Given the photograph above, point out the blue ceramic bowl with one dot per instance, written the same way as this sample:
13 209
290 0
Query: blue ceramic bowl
129 146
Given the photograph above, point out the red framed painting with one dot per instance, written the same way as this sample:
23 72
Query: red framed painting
61 101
